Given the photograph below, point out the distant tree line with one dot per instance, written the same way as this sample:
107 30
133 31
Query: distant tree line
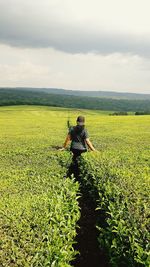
146 112
121 113
26 97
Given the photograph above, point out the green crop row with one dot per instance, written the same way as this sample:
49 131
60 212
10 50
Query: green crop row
39 210
121 188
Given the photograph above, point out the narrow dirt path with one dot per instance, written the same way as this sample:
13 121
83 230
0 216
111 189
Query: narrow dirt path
91 255
87 244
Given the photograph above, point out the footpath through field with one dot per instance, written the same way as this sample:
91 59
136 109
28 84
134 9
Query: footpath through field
40 206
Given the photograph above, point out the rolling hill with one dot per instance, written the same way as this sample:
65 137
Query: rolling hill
32 96
101 94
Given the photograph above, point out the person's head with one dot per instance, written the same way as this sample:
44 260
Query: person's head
80 121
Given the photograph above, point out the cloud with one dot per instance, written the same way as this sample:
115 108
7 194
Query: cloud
79 26
46 67
81 44
22 72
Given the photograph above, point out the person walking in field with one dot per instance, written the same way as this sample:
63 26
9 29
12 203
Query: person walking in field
78 136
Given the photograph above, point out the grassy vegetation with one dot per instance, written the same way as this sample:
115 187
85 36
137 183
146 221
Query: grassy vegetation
120 175
121 188
39 207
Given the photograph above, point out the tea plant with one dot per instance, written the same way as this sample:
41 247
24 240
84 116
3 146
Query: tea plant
39 207
124 196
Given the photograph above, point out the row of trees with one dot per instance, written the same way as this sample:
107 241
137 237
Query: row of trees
123 113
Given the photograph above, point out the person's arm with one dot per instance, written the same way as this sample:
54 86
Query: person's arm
89 144
67 141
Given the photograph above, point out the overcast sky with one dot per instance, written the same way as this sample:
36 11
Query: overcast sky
76 44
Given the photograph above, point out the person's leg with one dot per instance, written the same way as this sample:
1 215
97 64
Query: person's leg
72 167
75 161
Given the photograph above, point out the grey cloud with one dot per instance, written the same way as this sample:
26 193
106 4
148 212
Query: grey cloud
28 29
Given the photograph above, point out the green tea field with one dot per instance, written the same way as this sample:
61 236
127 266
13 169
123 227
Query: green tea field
39 204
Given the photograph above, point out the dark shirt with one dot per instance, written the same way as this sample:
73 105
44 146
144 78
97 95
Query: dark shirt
78 136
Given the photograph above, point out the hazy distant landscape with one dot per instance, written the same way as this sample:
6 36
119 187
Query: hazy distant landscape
93 93
100 100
